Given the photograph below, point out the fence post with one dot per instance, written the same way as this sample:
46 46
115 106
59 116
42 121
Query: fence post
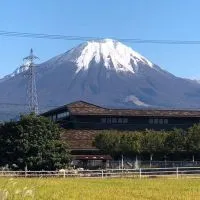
26 171
140 173
102 173
64 174
177 172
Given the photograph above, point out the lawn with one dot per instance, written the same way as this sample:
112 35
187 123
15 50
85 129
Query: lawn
96 189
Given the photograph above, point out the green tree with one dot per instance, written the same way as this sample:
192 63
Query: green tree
108 142
130 143
153 141
175 141
117 143
193 139
33 142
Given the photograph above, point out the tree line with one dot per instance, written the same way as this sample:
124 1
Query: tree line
33 143
177 143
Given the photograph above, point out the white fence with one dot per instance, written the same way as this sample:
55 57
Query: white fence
178 172
127 163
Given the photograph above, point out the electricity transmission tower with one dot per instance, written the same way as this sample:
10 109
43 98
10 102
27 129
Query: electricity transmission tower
31 84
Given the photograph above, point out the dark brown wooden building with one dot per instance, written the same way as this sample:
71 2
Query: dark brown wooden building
82 121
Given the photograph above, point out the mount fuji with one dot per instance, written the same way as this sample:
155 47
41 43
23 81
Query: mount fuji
103 72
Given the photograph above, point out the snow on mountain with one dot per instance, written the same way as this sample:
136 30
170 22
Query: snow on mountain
196 80
121 56
112 54
103 72
17 71
135 100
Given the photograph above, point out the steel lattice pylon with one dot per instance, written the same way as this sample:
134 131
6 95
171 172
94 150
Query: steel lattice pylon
31 84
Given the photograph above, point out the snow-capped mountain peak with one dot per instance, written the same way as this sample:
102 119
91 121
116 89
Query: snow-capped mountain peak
110 51
24 67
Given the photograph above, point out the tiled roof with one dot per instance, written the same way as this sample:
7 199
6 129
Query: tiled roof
80 139
84 108
81 107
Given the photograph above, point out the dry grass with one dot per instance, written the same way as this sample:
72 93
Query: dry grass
99 189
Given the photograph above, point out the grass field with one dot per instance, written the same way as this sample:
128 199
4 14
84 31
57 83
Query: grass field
96 189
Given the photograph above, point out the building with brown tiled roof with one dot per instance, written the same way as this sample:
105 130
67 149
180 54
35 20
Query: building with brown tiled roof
82 121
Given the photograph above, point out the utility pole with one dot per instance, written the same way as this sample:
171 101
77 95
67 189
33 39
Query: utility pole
31 84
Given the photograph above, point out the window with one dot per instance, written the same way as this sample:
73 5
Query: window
103 120
119 120
125 120
108 121
150 121
165 121
158 121
155 121
62 115
114 120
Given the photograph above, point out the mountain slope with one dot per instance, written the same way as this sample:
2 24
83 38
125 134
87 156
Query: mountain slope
104 72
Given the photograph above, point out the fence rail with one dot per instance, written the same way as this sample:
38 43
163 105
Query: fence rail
178 172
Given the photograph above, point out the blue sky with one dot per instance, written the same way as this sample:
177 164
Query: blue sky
146 19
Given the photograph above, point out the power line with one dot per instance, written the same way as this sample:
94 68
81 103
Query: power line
26 105
83 38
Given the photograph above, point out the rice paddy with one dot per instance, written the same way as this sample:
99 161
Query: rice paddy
99 189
